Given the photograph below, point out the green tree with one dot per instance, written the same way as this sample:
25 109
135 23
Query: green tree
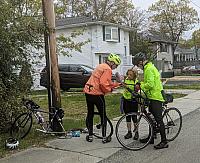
20 29
172 18
196 38
106 10
136 19
142 44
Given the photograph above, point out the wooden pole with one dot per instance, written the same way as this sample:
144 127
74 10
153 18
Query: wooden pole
46 41
55 81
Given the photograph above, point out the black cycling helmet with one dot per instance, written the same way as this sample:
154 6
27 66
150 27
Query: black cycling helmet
139 57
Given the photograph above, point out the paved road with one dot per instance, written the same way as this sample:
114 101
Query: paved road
184 149
183 80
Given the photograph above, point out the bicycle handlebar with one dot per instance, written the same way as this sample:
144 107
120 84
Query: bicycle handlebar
144 101
30 104
135 94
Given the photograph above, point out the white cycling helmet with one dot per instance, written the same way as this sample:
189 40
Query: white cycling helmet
12 143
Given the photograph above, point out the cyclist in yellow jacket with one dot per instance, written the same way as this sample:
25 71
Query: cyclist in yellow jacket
152 86
97 86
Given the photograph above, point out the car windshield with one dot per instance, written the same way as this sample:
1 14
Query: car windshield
87 68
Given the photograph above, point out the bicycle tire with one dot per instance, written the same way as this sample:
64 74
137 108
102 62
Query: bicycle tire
97 129
145 130
21 126
172 119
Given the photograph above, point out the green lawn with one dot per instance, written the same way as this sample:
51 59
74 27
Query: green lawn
192 86
75 109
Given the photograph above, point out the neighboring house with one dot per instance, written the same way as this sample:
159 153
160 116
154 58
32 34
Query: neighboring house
163 52
186 57
104 38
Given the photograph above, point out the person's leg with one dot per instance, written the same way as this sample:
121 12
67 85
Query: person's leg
156 110
90 115
134 108
128 119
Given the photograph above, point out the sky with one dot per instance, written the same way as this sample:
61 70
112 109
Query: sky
145 4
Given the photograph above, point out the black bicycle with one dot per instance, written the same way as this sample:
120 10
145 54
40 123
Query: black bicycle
97 129
146 125
23 123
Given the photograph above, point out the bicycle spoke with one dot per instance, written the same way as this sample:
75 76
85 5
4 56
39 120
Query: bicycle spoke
21 126
173 122
143 127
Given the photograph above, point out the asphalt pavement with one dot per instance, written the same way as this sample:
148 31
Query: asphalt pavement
77 150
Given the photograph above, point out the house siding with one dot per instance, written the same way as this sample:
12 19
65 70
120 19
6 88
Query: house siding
90 51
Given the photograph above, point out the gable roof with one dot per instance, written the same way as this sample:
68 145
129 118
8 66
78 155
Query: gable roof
158 38
155 38
70 22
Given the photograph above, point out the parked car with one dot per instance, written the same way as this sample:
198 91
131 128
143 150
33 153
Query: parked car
191 69
71 76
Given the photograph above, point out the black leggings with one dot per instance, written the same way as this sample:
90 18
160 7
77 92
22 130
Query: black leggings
99 102
130 106
155 108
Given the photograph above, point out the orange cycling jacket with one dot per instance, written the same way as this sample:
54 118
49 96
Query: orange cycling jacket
100 81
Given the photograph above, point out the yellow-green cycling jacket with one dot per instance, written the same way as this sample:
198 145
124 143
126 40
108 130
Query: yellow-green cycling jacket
130 84
152 85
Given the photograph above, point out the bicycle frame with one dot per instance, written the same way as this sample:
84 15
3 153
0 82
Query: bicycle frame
33 109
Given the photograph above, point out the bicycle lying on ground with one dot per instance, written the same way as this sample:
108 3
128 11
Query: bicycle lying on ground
146 125
23 123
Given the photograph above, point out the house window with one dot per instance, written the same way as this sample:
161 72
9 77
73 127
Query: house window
102 58
163 47
111 34
125 51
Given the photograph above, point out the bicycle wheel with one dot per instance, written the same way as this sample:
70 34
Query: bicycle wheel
172 119
97 129
143 126
21 126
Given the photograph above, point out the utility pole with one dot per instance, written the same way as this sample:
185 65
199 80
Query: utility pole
52 60
48 61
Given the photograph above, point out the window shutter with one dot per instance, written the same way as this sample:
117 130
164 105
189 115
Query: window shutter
103 32
119 34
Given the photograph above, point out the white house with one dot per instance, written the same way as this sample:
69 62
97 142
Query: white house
186 57
104 38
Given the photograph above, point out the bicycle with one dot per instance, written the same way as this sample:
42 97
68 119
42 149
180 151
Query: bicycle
97 130
146 125
23 123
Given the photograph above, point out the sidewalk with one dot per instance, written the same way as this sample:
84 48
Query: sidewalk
77 150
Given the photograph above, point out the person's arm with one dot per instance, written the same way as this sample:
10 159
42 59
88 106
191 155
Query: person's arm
106 83
149 81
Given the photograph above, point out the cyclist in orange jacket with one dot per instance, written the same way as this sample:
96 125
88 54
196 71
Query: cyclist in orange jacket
97 86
